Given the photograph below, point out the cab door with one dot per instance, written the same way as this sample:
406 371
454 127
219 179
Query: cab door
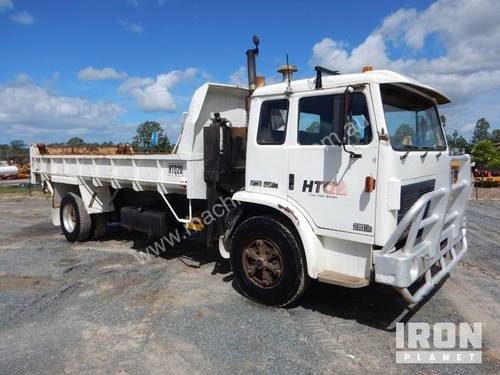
325 180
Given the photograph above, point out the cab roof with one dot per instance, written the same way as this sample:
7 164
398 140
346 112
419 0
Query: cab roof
372 76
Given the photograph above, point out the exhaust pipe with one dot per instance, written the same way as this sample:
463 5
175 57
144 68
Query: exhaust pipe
251 68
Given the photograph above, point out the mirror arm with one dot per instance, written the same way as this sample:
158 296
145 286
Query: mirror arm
352 154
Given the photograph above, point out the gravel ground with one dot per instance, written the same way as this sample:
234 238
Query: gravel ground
490 194
93 308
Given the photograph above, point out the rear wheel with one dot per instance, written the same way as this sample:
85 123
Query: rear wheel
268 262
76 223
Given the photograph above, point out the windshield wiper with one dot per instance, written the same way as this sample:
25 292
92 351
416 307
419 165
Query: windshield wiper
427 149
408 148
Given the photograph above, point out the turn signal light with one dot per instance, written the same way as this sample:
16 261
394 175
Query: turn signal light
367 69
369 184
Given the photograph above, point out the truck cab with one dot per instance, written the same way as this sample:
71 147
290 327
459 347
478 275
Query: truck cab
353 166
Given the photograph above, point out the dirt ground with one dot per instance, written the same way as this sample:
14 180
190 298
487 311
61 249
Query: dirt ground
93 308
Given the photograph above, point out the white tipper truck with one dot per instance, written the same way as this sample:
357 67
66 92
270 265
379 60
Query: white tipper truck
342 178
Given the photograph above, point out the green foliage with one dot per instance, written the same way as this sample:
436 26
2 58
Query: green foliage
495 136
16 150
17 145
495 163
457 141
75 142
481 131
485 154
142 140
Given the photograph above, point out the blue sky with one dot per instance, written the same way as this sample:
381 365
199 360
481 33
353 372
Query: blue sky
96 69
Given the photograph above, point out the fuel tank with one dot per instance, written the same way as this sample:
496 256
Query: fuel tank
8 171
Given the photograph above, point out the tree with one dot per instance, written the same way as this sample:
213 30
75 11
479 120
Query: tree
495 164
495 136
484 153
457 141
75 142
4 152
142 140
481 131
17 145
107 144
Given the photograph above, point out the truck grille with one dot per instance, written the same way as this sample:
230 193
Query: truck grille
410 194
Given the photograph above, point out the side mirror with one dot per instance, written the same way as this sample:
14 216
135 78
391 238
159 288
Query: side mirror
443 120
345 122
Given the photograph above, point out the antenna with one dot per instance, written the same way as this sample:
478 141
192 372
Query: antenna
289 75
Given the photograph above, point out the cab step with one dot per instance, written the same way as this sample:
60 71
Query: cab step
336 278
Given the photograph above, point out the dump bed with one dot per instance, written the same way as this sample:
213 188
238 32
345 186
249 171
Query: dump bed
119 167
168 173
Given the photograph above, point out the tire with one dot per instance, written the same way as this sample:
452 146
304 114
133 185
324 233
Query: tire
99 227
76 223
268 262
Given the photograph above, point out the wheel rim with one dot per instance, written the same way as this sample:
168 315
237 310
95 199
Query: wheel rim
263 263
69 218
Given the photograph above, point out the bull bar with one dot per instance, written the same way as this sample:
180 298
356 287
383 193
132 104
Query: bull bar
435 235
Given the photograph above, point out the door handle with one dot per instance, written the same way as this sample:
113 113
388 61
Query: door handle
291 181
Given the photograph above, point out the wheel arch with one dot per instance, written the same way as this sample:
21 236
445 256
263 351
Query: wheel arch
253 204
60 189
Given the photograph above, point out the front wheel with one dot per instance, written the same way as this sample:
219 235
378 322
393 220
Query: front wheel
268 262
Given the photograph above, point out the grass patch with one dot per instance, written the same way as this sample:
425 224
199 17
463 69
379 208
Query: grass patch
18 189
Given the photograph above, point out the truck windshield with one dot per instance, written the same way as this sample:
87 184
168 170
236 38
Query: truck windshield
412 120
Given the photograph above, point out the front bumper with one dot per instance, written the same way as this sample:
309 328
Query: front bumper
423 250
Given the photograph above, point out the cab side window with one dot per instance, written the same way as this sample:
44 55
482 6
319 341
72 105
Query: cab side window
272 122
320 119
315 119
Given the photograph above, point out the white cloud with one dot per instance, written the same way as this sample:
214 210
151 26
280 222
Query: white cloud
95 74
32 112
153 94
23 18
468 31
6 5
22 78
132 27
239 77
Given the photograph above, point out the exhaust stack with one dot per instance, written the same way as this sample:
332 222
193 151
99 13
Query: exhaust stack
251 67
